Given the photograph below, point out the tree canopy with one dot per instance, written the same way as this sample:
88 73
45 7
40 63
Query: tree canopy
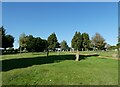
31 43
98 41
52 41
7 39
85 41
64 45
23 40
76 41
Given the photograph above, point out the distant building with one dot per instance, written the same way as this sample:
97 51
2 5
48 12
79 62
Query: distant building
58 49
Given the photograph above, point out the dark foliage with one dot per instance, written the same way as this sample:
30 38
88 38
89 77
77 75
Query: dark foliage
7 40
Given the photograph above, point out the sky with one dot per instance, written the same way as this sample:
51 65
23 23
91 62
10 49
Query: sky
40 19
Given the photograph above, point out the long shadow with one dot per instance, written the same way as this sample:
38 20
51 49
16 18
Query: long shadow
25 62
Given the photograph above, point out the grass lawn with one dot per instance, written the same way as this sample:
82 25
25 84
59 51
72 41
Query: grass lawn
37 69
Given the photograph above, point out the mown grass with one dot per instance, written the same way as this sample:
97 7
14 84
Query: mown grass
58 69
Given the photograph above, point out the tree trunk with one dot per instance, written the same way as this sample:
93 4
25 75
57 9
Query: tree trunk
20 50
47 53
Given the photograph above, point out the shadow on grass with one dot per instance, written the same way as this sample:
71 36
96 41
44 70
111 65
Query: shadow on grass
85 56
25 62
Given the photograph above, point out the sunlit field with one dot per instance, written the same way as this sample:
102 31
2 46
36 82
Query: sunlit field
60 69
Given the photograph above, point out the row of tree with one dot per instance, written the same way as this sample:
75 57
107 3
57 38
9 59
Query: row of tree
83 42
31 43
79 42
53 43
37 44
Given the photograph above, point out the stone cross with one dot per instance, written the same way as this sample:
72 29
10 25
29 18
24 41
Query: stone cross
77 56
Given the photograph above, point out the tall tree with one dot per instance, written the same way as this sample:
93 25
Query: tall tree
2 31
36 44
98 41
64 45
40 44
52 41
85 41
107 46
22 41
6 39
9 40
1 37
118 44
30 43
76 41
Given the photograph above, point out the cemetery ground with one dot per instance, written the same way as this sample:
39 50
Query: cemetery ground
60 69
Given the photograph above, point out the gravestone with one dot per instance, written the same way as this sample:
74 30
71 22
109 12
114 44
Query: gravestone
77 56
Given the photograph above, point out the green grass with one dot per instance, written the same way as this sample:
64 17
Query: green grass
101 53
37 69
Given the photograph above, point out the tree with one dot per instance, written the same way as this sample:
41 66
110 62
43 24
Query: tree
22 41
107 46
30 43
64 45
112 47
98 41
85 41
40 44
76 41
6 39
36 44
1 37
52 41
9 40
118 44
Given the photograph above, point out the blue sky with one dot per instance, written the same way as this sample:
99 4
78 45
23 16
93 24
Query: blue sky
41 19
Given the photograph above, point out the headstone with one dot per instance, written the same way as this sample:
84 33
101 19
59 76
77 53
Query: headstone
77 56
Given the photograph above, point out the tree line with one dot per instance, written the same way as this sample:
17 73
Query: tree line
36 44
32 44
80 41
83 42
